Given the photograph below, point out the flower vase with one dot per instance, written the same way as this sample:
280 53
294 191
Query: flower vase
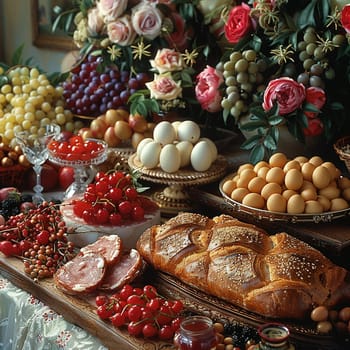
291 146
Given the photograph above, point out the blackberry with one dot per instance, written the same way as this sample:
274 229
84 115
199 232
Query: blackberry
11 205
26 197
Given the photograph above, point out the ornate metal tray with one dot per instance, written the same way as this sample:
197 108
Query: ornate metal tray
174 197
276 216
303 335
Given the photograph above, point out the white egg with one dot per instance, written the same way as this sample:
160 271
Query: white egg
185 148
212 147
149 156
188 130
164 133
176 124
141 144
169 158
201 156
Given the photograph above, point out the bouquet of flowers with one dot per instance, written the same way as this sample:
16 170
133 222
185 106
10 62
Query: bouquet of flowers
283 63
166 39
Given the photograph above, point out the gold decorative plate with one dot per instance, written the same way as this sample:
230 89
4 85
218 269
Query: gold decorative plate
276 216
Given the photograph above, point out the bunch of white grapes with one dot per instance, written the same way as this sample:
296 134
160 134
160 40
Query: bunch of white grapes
243 74
28 101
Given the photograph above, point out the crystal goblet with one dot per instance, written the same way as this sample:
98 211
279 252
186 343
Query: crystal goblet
34 147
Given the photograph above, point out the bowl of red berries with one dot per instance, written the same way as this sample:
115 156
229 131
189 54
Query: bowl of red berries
77 151
111 204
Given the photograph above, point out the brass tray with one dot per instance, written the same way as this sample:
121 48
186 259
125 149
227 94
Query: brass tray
303 335
282 217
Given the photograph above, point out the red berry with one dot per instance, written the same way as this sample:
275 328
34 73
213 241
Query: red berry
166 332
150 291
131 193
135 328
101 299
134 313
115 219
43 237
118 319
137 213
149 330
102 216
105 311
125 208
126 291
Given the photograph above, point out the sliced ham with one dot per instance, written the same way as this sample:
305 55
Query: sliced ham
109 246
125 271
83 274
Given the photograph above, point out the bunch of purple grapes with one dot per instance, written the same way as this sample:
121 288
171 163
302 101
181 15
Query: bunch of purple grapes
90 92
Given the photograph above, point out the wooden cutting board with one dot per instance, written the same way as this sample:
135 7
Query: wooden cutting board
79 311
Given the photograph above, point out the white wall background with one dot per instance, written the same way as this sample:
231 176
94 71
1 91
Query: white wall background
16 29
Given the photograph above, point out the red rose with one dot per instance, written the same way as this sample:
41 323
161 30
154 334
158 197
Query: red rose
207 89
317 97
288 94
315 127
345 18
239 23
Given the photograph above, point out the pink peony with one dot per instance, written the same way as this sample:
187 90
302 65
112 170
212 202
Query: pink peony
288 94
207 89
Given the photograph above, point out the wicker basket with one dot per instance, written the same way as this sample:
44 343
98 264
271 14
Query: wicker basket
342 147
12 176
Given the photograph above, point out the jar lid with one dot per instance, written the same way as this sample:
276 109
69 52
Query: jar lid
274 333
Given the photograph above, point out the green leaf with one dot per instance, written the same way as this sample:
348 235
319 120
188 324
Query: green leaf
275 120
257 154
309 107
251 142
336 106
17 57
306 17
270 142
258 112
253 125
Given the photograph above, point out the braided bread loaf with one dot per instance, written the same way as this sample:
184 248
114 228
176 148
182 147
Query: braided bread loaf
275 276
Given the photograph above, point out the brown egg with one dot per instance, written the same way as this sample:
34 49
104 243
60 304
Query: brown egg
278 160
330 192
309 194
316 160
245 176
307 169
276 175
256 184
263 171
319 313
254 200
277 203
228 186
325 202
245 166
321 177
343 182
301 159
338 204
293 179
292 164
260 165
239 193
346 194
269 189
313 207
288 193
295 204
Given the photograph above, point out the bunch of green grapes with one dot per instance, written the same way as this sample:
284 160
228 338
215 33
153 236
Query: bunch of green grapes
28 101
313 54
243 74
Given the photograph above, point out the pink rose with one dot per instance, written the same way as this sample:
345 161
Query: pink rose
345 18
147 20
164 87
208 89
315 127
288 94
317 97
239 23
167 60
111 9
121 31
95 22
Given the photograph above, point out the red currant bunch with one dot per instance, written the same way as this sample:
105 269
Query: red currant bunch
39 237
111 199
76 149
142 311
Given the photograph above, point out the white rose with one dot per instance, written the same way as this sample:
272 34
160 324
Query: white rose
95 22
164 87
111 9
121 31
147 20
167 60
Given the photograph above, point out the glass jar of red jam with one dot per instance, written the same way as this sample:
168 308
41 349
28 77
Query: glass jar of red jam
196 333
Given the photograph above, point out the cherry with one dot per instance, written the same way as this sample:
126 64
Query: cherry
6 247
43 237
149 330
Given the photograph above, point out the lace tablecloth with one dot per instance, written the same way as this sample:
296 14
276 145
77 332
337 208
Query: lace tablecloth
28 324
